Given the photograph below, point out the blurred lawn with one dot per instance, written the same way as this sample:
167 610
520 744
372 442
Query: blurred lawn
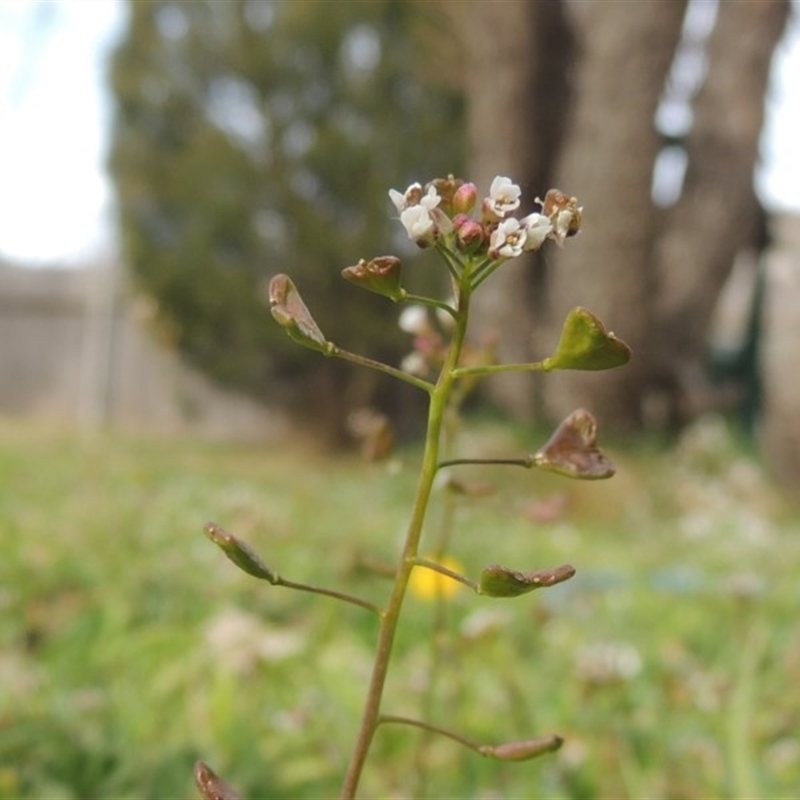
130 647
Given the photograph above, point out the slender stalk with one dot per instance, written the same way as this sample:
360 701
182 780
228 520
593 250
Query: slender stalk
483 271
363 361
449 573
494 369
526 462
433 303
346 598
427 726
388 628
455 265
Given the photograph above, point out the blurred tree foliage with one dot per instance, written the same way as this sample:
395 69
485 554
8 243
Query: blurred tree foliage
253 137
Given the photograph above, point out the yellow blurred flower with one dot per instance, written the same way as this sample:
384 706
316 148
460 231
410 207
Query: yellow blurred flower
427 584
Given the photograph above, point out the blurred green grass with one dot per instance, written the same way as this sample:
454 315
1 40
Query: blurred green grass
130 647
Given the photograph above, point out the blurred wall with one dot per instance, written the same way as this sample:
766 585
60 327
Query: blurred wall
75 348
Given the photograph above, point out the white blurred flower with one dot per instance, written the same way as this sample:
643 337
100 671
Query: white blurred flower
608 662
484 622
746 585
414 320
240 640
415 364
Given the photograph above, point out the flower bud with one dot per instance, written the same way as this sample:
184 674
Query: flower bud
469 232
465 198
240 553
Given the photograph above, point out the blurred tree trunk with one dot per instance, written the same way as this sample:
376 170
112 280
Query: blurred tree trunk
779 345
625 50
718 212
516 73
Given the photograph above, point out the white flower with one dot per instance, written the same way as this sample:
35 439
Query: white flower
414 319
503 197
419 224
507 239
398 198
562 225
537 227
413 197
402 200
431 199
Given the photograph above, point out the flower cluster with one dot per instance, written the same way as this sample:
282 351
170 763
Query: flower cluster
441 214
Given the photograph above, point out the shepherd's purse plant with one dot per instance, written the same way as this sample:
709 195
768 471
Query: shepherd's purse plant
473 239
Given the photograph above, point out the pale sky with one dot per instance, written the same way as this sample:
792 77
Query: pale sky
55 199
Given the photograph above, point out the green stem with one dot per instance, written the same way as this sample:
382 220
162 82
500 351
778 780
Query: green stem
454 265
363 361
442 570
527 462
432 302
346 598
436 412
494 369
426 726
483 271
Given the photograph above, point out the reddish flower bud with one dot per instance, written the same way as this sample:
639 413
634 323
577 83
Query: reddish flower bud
469 232
465 198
